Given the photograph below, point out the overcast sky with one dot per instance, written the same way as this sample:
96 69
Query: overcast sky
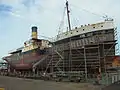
17 17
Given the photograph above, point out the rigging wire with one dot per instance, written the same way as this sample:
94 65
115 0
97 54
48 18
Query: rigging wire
74 19
80 8
62 21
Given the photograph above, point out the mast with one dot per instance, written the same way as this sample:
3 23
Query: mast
68 15
69 24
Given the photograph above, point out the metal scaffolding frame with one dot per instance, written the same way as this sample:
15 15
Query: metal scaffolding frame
86 59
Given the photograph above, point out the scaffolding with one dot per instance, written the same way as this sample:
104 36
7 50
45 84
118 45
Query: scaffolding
87 58
86 54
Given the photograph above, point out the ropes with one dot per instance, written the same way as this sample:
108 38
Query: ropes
87 11
62 21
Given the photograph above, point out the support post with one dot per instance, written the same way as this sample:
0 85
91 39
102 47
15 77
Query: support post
85 64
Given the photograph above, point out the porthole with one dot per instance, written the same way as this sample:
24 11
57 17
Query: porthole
75 27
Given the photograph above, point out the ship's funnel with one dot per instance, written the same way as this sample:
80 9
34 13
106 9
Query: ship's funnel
34 32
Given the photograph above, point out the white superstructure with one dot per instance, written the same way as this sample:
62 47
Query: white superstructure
107 24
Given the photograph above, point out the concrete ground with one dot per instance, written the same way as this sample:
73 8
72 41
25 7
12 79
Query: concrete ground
11 83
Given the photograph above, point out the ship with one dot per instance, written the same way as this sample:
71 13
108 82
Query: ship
25 57
86 49
89 49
